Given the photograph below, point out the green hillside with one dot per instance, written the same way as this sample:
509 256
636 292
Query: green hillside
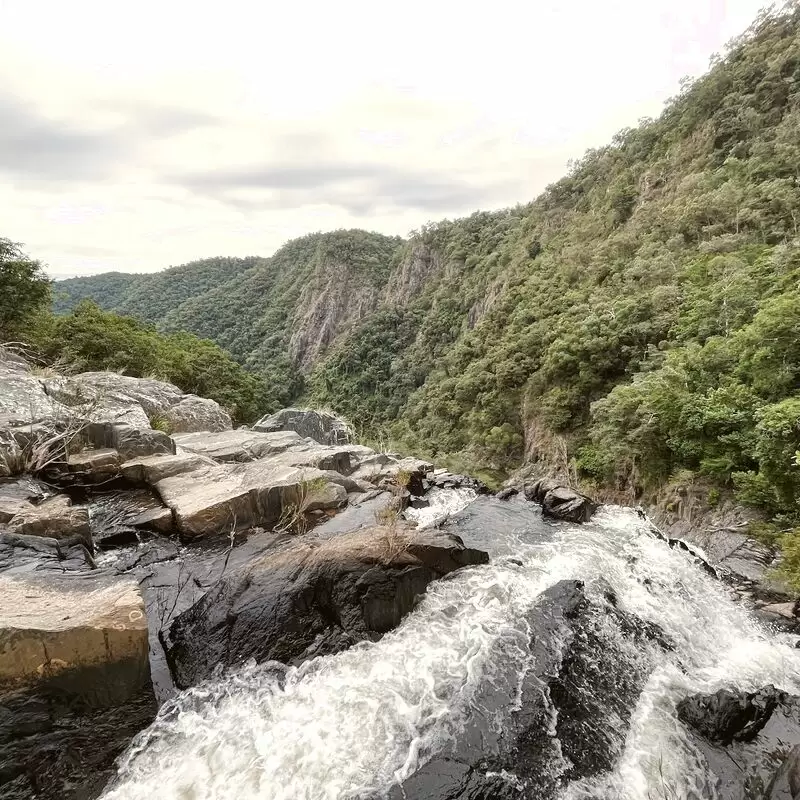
638 320
108 290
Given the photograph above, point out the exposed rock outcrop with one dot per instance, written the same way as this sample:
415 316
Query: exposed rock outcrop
140 465
560 502
74 683
43 419
722 532
566 721
312 598
321 426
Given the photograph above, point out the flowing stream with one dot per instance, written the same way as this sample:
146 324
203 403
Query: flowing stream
355 724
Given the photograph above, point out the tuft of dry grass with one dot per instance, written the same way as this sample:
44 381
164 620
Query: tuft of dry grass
378 545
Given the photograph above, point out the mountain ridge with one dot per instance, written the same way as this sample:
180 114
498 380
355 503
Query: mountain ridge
633 323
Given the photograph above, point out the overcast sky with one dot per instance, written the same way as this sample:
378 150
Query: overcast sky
138 135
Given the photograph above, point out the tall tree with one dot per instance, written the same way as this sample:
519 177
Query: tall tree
24 288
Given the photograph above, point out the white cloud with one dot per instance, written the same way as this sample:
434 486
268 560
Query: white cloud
134 137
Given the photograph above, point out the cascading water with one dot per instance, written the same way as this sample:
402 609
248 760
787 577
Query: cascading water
355 724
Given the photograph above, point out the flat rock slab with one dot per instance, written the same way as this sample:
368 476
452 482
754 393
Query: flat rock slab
54 630
95 465
240 444
284 447
55 517
218 498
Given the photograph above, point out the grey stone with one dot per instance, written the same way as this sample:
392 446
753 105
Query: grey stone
240 444
152 469
54 517
96 465
194 413
321 426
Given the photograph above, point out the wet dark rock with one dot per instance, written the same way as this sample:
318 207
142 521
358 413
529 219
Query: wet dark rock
699 560
786 783
74 683
22 554
119 518
302 600
152 552
729 716
442 479
745 740
560 502
588 667
506 494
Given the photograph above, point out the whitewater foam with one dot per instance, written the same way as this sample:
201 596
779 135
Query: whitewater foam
352 724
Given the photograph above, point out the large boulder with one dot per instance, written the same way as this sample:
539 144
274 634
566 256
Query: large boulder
321 426
74 683
746 739
582 673
560 502
218 498
194 413
311 597
54 517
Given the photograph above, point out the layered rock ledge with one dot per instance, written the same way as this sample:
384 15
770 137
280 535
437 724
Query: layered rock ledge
134 516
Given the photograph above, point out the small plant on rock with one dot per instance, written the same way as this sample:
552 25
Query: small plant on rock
294 517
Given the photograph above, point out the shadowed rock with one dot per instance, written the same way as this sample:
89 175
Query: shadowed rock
560 502
310 598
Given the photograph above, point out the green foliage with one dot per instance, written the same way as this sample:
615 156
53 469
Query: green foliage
107 290
90 339
24 289
644 310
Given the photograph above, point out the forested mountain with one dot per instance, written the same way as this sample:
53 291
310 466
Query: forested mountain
640 318
107 290
149 296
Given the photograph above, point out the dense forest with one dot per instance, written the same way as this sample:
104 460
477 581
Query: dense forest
639 321
89 338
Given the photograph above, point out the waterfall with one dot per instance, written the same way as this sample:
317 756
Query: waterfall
355 724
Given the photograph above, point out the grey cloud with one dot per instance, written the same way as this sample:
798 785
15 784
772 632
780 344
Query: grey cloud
38 147
359 188
35 146
167 120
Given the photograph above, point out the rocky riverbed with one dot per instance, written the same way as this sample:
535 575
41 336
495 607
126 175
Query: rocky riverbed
149 550
145 543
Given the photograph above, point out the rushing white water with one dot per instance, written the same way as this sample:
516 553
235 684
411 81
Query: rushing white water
352 724
443 503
